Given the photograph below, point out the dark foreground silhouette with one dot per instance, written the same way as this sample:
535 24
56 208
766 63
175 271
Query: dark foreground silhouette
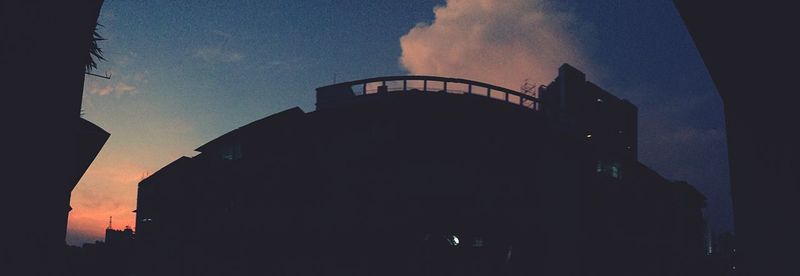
750 56
46 49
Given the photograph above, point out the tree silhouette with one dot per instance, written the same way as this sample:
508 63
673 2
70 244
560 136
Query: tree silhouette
95 52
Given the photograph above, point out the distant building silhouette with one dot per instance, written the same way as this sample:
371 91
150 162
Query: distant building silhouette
420 175
122 239
114 255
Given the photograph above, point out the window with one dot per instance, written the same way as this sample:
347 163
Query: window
478 242
614 171
611 168
232 151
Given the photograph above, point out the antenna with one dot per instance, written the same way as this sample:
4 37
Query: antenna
109 222
528 88
144 175
107 76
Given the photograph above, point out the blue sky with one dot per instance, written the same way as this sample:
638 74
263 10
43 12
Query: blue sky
185 72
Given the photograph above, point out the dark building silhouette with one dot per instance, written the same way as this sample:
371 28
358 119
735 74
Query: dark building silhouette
749 54
45 48
420 175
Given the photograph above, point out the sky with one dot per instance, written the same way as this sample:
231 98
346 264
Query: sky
185 72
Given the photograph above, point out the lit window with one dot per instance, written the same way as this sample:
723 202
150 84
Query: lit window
232 152
478 242
612 168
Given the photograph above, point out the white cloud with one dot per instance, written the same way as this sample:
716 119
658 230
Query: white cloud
122 80
117 85
217 54
100 90
502 42
123 88
216 49
221 33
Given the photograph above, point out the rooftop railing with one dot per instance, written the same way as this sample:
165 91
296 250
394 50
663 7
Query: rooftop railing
425 84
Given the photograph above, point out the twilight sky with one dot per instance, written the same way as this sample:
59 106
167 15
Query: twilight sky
186 72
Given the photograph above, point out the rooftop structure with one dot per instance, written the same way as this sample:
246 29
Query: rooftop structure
336 93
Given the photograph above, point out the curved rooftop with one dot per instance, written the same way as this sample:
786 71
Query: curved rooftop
336 93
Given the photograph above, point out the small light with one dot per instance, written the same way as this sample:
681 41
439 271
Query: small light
619 131
588 136
453 240
599 100
734 268
628 147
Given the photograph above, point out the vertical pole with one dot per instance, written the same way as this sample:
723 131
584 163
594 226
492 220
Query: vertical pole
405 87
425 86
469 88
364 89
445 86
